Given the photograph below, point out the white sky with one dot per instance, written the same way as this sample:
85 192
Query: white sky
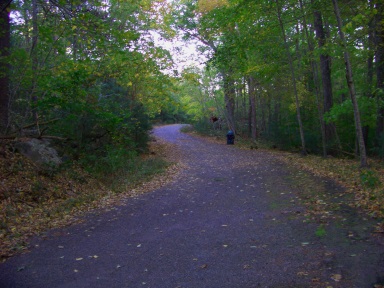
184 54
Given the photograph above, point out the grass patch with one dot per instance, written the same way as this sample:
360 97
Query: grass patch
142 170
320 231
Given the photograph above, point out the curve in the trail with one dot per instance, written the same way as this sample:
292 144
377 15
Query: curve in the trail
231 219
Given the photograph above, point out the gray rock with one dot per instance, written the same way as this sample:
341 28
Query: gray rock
39 152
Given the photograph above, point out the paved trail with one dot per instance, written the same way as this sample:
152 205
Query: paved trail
232 219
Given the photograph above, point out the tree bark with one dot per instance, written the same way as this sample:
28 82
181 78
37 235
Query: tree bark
325 66
351 87
34 60
316 81
252 101
380 70
5 44
292 69
370 70
229 98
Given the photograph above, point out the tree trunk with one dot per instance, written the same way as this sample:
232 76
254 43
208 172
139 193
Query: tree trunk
351 87
229 98
380 70
316 82
252 100
370 70
325 66
292 69
34 60
5 44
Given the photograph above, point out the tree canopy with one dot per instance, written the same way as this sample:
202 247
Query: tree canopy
275 71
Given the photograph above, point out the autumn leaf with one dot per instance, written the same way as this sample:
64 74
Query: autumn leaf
336 277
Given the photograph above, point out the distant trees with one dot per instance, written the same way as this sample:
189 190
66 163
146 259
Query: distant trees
379 53
5 43
275 70
288 56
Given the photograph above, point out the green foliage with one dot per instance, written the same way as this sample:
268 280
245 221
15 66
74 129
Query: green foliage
94 76
114 159
129 171
369 179
342 116
320 231
243 39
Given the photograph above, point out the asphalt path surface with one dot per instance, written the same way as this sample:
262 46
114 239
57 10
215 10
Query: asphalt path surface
231 219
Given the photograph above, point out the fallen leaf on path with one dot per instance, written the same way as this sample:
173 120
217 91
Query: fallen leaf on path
79 259
204 266
336 277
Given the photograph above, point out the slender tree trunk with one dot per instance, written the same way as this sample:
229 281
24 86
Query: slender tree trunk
371 45
249 115
34 60
316 82
263 108
292 69
5 44
325 66
229 98
380 70
244 97
351 87
252 100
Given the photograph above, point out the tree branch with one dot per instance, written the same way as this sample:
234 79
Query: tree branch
6 5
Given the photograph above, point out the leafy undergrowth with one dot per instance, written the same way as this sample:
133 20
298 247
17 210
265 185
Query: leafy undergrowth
365 187
33 201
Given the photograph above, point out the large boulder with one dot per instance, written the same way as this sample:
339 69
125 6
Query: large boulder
39 152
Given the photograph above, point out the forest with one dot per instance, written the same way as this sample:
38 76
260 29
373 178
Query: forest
302 75
92 78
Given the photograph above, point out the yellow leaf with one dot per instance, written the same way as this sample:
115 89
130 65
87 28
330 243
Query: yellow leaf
336 277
